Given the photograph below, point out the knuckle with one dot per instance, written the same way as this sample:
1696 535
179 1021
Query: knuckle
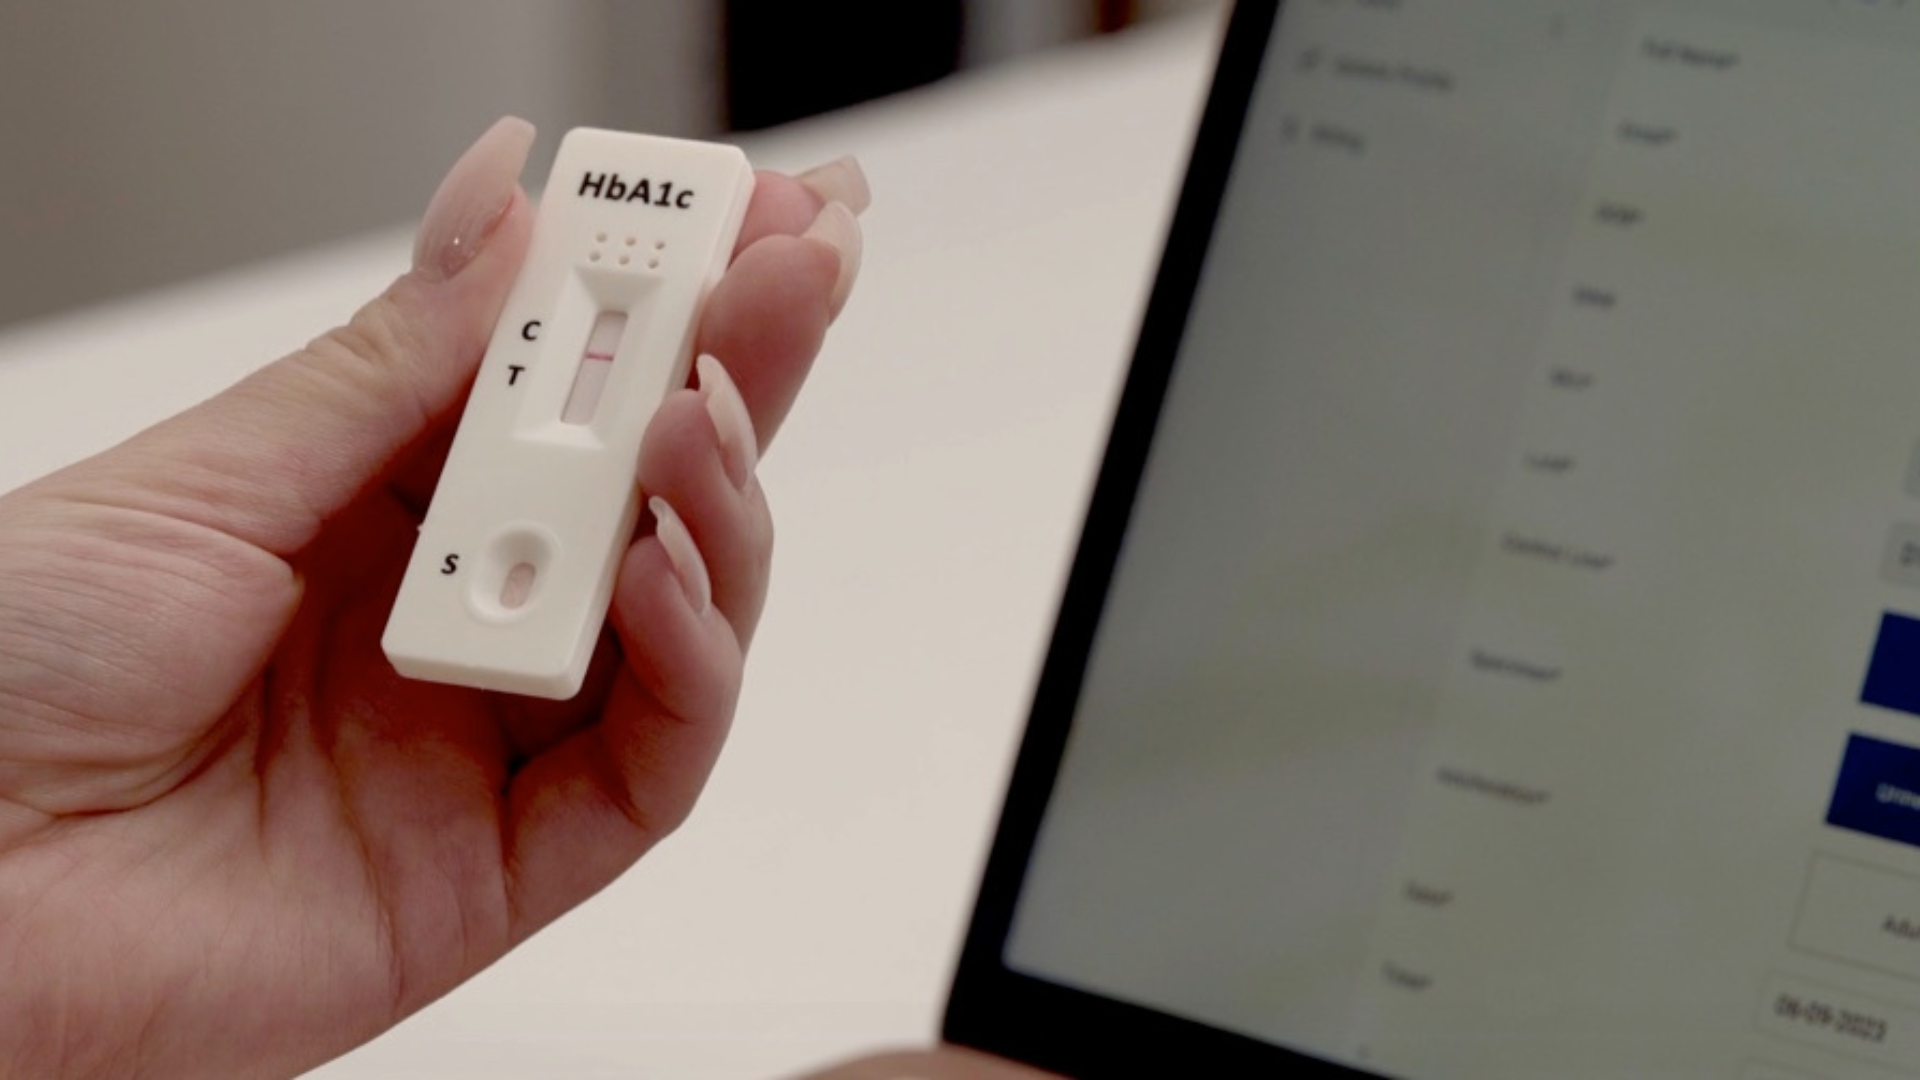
380 337
372 357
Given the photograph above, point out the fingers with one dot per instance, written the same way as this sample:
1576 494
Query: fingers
707 481
274 458
782 206
841 180
687 599
691 590
842 188
762 328
798 257
581 813
786 205
766 320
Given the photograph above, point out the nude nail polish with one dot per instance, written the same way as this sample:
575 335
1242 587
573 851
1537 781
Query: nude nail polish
840 230
732 424
468 205
688 566
841 180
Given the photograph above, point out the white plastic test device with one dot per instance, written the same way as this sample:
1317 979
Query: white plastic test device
510 580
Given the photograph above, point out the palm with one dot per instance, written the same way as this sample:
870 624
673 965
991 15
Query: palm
227 825
331 840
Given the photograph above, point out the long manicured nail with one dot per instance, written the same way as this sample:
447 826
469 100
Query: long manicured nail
841 181
688 566
470 201
837 228
739 448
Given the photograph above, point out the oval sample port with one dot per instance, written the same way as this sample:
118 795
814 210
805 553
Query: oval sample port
511 570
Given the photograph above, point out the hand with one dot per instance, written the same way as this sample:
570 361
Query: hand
232 841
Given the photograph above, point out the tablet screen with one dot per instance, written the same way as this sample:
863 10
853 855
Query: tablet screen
1512 665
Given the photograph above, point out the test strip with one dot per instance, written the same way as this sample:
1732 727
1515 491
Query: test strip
508 585
596 363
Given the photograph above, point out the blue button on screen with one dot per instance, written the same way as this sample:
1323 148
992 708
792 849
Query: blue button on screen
1893 675
1879 791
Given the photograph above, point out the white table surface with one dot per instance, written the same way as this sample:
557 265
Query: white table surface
927 491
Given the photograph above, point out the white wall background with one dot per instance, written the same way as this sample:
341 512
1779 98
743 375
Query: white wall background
324 119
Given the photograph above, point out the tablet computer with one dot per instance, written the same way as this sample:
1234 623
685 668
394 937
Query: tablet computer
1494 646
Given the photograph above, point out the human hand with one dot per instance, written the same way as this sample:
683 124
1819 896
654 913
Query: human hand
233 842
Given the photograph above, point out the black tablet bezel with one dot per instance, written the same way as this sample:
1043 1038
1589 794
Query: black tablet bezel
992 1007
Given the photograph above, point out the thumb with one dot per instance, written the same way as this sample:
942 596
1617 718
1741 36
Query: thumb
273 458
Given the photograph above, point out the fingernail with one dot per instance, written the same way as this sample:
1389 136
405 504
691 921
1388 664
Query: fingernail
739 448
837 228
841 181
470 201
688 566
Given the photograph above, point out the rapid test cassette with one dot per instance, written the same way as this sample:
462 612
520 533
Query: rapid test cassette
509 582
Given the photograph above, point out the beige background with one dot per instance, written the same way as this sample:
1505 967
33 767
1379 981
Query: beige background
330 118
